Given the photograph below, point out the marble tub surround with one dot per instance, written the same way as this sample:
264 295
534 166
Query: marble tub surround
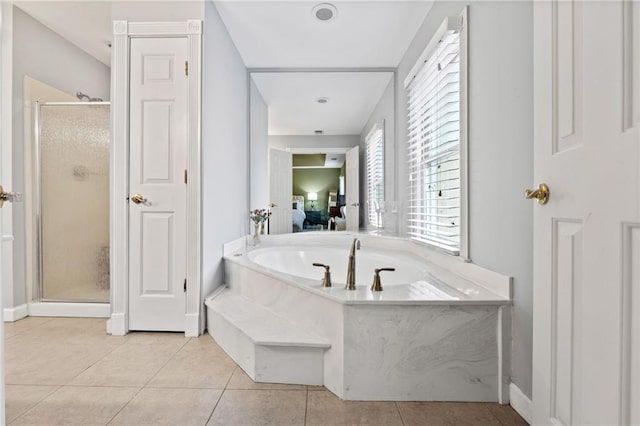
436 353
439 332
422 274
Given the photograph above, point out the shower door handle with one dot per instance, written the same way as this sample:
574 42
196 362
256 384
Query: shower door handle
10 197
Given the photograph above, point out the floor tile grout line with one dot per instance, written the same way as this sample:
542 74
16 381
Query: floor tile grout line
306 406
187 340
221 394
231 376
215 406
22 332
124 406
495 417
36 404
182 387
92 364
399 413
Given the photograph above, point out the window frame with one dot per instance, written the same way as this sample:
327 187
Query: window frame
376 127
452 23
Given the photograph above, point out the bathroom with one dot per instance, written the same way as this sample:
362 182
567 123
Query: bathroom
234 176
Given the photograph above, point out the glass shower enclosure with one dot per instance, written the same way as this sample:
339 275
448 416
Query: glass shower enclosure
72 201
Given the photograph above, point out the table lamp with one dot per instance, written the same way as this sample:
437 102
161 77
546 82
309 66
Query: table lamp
312 196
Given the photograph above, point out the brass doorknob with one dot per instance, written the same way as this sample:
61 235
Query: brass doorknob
272 205
541 194
10 197
138 198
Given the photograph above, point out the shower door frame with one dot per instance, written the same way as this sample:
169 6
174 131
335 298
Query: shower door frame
38 287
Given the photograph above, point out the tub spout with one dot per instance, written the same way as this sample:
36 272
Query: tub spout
351 271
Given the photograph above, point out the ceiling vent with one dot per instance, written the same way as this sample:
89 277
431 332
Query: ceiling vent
319 132
325 12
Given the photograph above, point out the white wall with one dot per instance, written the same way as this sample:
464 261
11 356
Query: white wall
500 148
259 169
384 111
42 54
225 151
313 141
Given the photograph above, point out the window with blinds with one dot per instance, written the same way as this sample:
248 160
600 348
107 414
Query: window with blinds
375 174
433 152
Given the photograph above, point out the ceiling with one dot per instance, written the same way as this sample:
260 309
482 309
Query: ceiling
87 24
294 110
267 33
286 34
318 161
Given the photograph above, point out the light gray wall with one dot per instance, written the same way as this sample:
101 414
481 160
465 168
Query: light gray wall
500 148
225 151
157 11
259 169
384 110
42 54
313 141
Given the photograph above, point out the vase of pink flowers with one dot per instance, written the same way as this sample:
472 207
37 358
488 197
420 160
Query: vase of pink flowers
259 217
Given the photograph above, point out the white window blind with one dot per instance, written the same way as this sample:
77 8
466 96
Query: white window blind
433 150
375 174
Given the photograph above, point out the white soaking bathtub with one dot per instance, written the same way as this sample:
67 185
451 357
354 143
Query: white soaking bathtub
439 330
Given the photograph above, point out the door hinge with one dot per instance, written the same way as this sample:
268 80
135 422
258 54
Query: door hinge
185 285
185 176
186 67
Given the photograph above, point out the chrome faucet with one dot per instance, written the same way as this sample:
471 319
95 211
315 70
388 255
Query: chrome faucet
351 270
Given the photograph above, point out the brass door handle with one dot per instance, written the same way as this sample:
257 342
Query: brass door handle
355 204
10 197
541 194
138 198
273 205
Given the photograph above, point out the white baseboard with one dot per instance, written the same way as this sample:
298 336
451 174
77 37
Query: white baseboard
521 403
60 309
16 313
117 324
192 325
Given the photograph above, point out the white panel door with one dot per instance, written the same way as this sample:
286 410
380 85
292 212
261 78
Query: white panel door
353 189
586 357
158 158
2 284
280 188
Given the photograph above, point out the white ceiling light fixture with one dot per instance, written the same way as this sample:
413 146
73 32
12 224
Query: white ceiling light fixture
325 12
322 100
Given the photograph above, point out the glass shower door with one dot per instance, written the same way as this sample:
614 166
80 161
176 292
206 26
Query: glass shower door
73 201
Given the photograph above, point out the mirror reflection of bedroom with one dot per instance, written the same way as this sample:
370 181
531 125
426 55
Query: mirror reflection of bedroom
318 192
312 134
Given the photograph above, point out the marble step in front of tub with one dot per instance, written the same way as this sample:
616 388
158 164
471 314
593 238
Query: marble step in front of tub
268 347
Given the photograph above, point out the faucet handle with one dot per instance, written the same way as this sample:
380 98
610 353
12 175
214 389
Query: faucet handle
326 281
377 284
322 265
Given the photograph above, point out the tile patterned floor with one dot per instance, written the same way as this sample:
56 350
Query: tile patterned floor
68 371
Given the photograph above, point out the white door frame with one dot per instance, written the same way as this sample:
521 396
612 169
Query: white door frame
123 31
